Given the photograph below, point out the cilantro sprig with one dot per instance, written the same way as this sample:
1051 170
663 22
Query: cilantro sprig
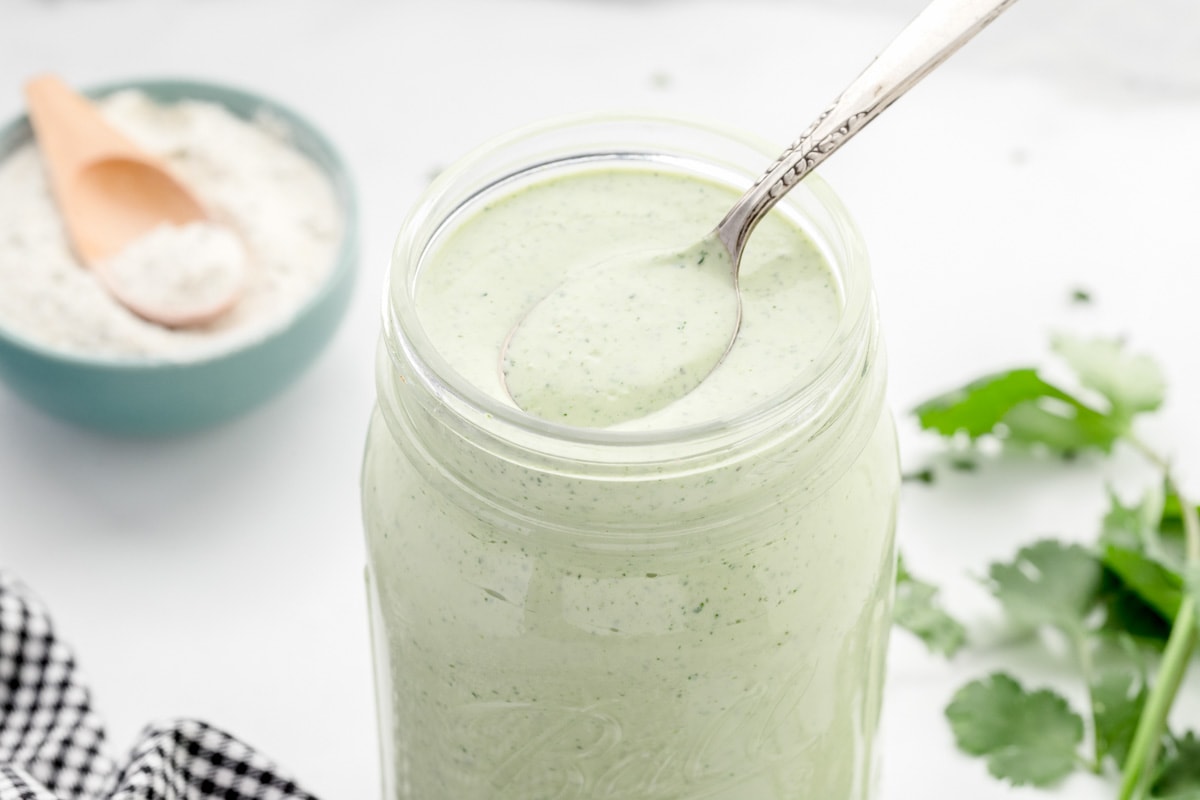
1136 589
917 610
1021 407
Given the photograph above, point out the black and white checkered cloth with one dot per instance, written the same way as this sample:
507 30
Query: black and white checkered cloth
52 742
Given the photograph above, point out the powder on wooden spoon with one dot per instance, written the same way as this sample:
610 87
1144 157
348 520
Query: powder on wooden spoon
180 271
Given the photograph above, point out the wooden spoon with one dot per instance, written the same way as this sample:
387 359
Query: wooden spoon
111 193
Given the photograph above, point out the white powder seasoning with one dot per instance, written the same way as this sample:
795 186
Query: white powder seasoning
280 203
179 270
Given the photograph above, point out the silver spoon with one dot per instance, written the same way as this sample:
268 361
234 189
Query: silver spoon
582 380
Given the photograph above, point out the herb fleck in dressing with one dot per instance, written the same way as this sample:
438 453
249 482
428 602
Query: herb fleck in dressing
708 624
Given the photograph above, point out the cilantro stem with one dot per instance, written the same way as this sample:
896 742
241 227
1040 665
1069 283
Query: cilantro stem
1147 740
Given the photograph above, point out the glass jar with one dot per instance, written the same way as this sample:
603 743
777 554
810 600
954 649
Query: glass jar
696 612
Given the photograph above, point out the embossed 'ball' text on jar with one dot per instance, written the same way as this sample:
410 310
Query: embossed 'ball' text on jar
693 606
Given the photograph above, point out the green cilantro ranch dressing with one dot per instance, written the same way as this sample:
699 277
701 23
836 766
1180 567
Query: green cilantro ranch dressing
690 602
580 355
473 294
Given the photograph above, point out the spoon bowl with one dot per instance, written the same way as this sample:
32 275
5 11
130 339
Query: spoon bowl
630 300
178 276
115 199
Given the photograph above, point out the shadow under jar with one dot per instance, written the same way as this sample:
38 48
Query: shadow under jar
694 604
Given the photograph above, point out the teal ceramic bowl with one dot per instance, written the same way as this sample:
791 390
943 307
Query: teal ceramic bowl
143 396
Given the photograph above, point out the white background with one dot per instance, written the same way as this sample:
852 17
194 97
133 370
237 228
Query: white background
219 575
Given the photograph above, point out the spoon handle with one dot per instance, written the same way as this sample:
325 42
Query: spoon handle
939 30
71 131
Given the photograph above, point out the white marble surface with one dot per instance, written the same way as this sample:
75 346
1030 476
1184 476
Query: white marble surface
219 575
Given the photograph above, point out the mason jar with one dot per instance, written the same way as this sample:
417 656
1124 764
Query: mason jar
692 610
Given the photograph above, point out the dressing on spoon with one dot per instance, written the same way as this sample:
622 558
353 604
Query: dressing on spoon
562 361
148 238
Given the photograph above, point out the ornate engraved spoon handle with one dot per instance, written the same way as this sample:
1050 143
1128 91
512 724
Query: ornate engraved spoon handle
939 30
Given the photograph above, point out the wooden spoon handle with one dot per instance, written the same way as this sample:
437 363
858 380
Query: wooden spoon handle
71 131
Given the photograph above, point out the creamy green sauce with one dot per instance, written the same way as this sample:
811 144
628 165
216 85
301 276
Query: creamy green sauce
741 659
505 260
621 338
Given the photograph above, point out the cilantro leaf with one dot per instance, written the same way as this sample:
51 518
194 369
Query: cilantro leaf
1143 528
1117 701
978 407
1133 526
1064 426
1171 524
917 610
1179 778
1126 613
1118 692
1131 383
1161 588
1048 583
1026 737
1172 547
1140 558
1020 406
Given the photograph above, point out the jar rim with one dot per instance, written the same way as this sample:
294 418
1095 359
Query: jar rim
403 329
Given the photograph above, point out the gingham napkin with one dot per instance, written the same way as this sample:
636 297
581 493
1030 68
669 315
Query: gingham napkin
52 742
